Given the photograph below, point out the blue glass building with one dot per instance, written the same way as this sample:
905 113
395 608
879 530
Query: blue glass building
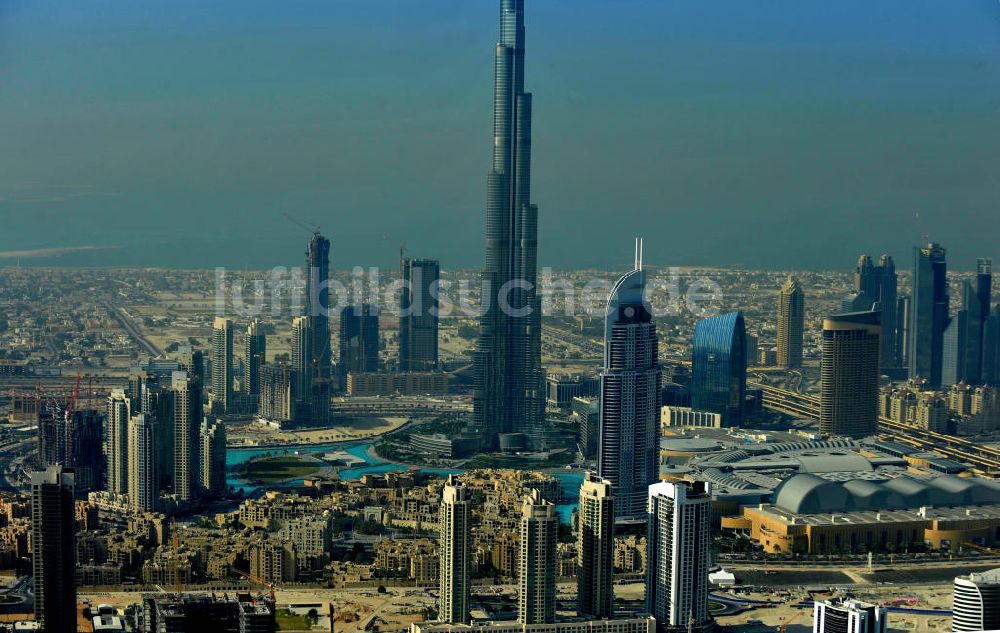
719 367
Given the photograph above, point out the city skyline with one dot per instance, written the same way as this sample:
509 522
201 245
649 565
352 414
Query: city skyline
276 449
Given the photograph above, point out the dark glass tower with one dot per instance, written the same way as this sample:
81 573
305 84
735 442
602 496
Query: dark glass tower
962 344
53 549
887 300
358 341
903 307
255 354
866 278
317 383
878 285
991 347
928 313
984 293
719 367
418 319
954 349
509 391
629 406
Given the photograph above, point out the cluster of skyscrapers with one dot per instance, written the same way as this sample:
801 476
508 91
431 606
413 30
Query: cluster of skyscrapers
155 444
509 401
151 438
160 441
882 333
299 389
678 536
302 391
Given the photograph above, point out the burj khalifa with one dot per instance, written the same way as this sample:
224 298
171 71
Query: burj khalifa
509 382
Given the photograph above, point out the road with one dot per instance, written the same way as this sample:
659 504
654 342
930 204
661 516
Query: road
133 330
963 450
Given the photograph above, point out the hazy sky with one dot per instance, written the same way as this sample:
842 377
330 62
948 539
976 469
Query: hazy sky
769 133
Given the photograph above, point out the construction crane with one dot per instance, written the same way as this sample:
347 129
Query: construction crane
923 228
300 223
259 581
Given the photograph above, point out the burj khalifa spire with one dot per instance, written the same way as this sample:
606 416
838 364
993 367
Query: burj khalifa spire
509 388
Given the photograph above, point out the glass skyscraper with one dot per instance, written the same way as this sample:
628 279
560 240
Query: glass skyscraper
318 312
719 367
629 406
359 341
962 341
991 347
509 393
878 286
418 320
928 313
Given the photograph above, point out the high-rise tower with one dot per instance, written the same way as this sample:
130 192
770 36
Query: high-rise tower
903 306
254 356
595 549
719 367
222 365
991 347
849 375
536 574
53 549
86 456
865 278
928 313
629 406
509 391
143 480
888 288
302 361
187 415
212 473
678 543
791 321
116 443
984 285
984 293
318 381
359 341
455 552
962 342
418 320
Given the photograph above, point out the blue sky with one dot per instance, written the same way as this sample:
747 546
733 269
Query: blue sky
768 133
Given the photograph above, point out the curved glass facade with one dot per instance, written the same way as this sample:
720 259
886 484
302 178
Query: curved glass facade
719 367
